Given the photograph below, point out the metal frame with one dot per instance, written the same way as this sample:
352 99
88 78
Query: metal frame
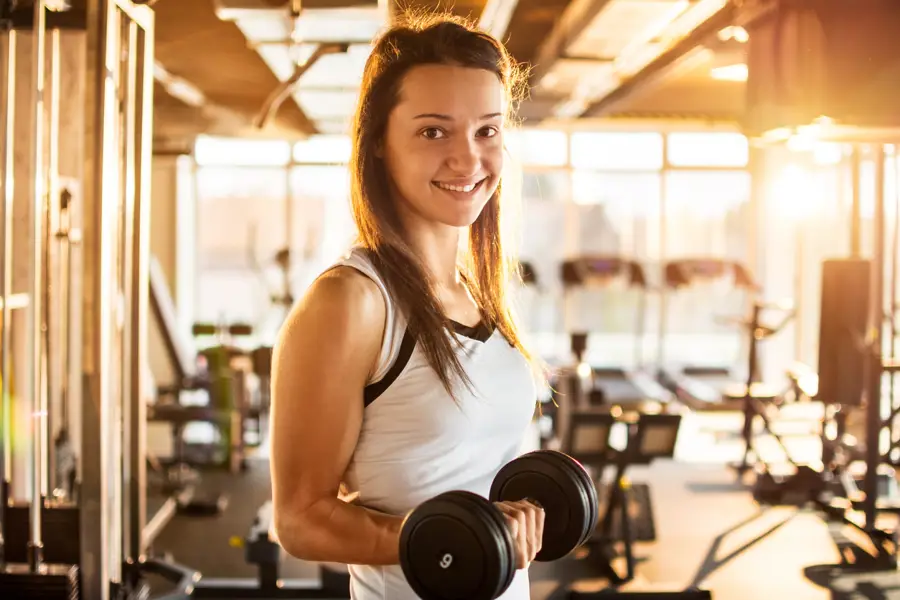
6 266
104 198
35 312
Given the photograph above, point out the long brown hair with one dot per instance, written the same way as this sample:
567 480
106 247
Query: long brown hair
487 266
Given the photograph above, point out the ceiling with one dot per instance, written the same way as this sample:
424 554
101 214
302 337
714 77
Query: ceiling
220 63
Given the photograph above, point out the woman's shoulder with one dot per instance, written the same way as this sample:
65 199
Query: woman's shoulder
343 299
344 287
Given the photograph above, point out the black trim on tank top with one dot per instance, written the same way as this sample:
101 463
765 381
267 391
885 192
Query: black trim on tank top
372 391
479 332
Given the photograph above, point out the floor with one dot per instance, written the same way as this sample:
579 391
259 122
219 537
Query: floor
710 532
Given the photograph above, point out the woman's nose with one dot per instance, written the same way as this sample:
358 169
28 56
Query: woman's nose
464 157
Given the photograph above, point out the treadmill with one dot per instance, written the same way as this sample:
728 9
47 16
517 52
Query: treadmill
609 386
714 387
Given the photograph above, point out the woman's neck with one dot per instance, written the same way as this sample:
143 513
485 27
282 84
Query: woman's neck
439 251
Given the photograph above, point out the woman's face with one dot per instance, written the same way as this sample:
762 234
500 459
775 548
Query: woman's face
443 146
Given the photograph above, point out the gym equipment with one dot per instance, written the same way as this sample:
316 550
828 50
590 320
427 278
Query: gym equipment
648 437
627 508
842 323
704 388
208 371
177 475
690 594
261 360
457 544
65 459
103 541
759 399
850 352
31 577
262 550
611 386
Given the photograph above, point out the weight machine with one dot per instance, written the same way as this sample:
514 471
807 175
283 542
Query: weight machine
91 540
759 399
847 101
96 541
627 513
853 362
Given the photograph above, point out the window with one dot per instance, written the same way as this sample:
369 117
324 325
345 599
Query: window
241 152
538 147
231 295
545 202
242 222
708 149
707 213
631 151
240 212
322 223
546 186
619 213
334 149
239 228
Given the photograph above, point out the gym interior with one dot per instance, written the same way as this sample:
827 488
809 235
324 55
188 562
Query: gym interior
708 263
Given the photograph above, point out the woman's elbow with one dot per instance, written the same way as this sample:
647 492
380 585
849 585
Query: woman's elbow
289 534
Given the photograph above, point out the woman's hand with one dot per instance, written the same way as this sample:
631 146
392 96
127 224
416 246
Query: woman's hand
526 522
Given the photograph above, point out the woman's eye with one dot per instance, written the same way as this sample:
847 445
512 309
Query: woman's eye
432 133
488 131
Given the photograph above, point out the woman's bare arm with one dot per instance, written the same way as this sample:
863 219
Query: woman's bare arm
324 355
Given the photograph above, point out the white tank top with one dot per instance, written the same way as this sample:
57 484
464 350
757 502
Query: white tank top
416 442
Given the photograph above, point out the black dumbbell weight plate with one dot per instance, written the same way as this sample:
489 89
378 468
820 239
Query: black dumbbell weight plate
562 487
587 487
456 547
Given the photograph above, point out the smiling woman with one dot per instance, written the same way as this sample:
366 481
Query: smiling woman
445 165
401 372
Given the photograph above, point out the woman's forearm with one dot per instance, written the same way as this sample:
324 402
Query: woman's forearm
334 531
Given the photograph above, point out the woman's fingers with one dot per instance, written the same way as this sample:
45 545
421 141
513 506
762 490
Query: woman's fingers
526 523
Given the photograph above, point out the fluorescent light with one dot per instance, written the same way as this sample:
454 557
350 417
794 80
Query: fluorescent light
736 72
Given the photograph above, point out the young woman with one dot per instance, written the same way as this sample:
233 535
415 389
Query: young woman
401 373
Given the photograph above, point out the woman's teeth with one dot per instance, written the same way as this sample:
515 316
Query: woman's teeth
457 188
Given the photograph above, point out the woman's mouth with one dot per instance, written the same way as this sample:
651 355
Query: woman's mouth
460 189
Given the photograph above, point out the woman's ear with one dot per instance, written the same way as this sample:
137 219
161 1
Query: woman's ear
379 149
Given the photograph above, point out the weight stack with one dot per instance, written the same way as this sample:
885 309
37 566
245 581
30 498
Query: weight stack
53 582
60 524
843 321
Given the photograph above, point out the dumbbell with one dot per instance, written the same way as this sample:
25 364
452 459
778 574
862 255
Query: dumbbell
457 545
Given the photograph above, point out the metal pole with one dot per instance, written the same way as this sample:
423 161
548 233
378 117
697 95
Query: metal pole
892 311
855 205
9 137
130 545
39 406
663 288
49 354
96 275
873 412
143 147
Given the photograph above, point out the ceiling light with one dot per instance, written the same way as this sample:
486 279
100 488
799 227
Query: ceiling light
736 33
738 72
